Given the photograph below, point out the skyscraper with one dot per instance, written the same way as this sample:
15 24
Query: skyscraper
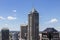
33 25
5 34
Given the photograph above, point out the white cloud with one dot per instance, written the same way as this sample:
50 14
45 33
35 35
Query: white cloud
14 10
11 18
2 18
54 20
6 24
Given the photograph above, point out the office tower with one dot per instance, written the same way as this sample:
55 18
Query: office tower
15 36
33 25
23 35
5 34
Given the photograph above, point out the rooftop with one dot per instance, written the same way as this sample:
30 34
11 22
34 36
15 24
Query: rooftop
5 29
50 30
33 10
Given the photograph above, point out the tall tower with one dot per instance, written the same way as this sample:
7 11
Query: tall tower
33 25
5 34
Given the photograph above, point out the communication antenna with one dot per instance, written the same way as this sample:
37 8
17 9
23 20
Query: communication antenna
33 4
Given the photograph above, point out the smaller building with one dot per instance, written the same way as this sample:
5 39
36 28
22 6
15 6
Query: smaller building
23 33
15 36
0 36
49 34
5 34
10 35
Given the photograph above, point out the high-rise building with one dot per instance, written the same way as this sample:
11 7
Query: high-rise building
5 34
33 25
23 35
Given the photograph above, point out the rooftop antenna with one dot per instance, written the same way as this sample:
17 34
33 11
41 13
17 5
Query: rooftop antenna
32 4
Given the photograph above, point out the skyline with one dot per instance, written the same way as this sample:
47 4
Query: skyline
13 13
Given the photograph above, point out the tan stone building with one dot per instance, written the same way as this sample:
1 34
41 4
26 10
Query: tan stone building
23 33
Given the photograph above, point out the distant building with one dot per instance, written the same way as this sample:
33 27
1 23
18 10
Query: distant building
5 34
49 34
40 35
15 36
23 33
33 25
0 36
10 35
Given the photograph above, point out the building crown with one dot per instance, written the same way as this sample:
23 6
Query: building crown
33 10
5 29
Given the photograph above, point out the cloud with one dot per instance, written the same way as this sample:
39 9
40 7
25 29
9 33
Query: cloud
2 18
54 20
6 24
11 18
14 10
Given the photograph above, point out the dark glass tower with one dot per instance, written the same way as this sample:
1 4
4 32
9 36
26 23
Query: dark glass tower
33 25
5 34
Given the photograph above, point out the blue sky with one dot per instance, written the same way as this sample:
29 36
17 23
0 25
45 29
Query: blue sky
13 13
